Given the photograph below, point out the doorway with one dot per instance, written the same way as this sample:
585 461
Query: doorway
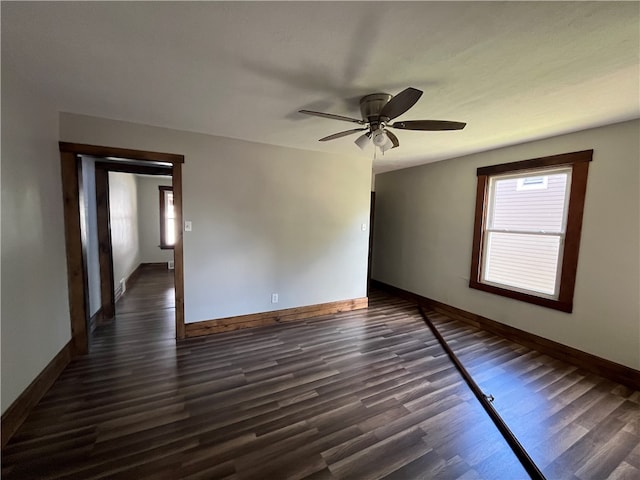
121 160
123 214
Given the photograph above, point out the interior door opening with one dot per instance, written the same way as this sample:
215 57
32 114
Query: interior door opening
88 229
124 228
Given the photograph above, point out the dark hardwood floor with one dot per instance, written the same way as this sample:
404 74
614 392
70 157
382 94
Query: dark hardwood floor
366 394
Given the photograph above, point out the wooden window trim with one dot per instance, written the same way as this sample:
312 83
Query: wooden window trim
579 162
163 240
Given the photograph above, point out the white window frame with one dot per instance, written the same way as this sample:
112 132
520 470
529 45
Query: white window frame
165 192
488 227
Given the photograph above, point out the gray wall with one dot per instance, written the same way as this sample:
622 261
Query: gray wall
265 219
35 302
89 219
424 231
123 218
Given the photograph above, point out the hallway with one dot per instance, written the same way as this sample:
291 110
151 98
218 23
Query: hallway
145 314
365 394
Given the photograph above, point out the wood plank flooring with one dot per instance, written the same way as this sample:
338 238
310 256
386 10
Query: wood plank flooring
367 394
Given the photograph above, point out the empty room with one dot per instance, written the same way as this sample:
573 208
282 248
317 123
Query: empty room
324 240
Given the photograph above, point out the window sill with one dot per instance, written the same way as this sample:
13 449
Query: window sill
563 306
166 247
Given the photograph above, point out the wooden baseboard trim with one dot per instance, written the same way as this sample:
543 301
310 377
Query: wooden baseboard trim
162 265
592 363
128 282
133 276
117 294
17 412
96 319
228 324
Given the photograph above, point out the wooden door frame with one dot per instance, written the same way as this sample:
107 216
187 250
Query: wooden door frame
105 252
76 272
372 215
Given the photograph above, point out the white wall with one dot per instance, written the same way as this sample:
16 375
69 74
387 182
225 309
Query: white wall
35 302
123 217
89 221
149 219
423 239
265 219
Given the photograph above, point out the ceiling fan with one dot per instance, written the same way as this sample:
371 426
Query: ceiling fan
377 110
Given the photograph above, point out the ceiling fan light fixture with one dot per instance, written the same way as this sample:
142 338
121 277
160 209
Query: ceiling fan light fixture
363 140
379 138
387 146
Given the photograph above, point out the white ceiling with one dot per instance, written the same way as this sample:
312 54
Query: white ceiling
513 71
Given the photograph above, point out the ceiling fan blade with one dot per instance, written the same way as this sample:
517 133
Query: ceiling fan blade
393 138
431 125
332 116
341 134
401 103
363 140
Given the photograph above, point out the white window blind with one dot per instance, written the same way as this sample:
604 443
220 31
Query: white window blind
525 229
169 223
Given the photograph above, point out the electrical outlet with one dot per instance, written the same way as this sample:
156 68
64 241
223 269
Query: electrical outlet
274 298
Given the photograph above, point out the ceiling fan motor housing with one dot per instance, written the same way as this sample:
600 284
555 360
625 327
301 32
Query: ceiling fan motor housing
371 106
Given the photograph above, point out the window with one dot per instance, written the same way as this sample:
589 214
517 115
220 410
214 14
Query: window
527 228
167 218
532 183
